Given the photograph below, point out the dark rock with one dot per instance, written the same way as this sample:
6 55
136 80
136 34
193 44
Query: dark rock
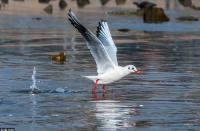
195 7
82 3
185 3
59 58
124 30
188 3
60 90
154 15
36 18
44 1
104 2
120 2
49 9
5 1
19 0
187 18
62 4
122 12
144 4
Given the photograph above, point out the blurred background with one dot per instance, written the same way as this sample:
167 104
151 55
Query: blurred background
59 7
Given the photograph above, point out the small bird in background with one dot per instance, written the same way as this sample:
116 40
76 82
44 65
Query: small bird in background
144 4
104 53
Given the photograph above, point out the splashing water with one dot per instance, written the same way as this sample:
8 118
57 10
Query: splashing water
34 86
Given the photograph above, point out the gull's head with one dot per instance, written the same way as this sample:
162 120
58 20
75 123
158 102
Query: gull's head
133 69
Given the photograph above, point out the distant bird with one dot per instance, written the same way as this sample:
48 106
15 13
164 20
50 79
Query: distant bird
60 58
144 4
104 52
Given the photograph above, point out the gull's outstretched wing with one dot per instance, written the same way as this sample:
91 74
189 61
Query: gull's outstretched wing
103 34
97 49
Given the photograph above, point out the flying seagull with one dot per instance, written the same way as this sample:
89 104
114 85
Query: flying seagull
104 52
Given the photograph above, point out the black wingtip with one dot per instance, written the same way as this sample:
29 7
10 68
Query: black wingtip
70 12
100 27
75 22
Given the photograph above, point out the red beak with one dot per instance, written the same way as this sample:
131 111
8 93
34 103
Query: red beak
138 72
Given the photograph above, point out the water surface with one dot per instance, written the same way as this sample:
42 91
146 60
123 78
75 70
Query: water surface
165 97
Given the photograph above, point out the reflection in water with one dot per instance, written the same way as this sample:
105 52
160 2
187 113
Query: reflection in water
114 115
95 96
33 111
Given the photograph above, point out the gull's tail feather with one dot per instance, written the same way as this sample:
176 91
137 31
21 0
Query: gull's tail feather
93 78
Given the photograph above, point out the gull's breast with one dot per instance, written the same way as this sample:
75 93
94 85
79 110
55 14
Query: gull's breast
111 76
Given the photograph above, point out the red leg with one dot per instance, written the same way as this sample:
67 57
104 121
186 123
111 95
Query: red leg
95 87
104 89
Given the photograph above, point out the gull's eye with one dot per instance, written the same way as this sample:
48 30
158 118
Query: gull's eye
129 68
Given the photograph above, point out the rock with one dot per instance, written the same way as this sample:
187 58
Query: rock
59 58
144 4
122 12
60 90
82 3
62 4
124 30
154 15
36 18
103 2
4 1
49 9
195 7
186 3
19 0
120 2
44 1
187 18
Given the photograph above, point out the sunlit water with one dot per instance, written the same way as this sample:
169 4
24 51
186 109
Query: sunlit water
165 97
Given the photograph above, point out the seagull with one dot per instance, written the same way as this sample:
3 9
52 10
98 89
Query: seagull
104 53
144 4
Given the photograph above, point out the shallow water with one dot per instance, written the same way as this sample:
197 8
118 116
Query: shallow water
165 97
